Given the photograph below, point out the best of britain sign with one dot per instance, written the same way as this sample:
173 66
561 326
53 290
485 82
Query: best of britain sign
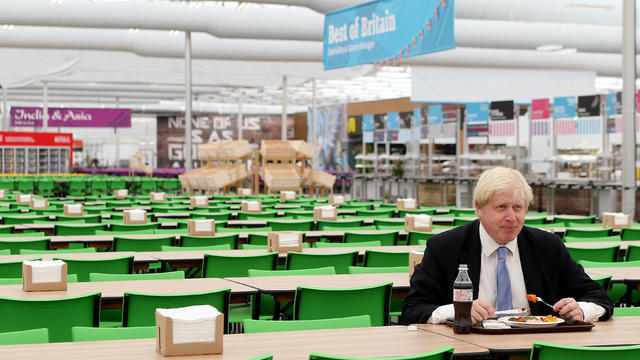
385 31
71 117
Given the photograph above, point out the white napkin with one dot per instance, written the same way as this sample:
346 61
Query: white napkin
327 211
45 271
252 205
201 200
441 314
421 220
157 196
73 208
24 198
494 324
203 225
621 219
136 214
192 323
288 239
122 192
244 192
39 203
289 195
338 199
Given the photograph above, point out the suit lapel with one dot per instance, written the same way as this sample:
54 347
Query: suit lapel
530 267
471 256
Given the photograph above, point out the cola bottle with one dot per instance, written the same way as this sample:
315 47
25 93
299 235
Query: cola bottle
462 301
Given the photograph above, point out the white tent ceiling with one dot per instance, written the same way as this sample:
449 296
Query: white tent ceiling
94 51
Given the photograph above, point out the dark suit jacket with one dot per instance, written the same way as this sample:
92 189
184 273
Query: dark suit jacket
548 269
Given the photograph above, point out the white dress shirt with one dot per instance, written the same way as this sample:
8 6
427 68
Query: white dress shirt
487 290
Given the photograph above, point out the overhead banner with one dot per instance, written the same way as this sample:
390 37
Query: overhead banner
564 112
540 115
477 119
501 122
331 137
71 117
613 111
386 31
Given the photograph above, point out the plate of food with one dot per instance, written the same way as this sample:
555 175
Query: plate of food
512 312
531 321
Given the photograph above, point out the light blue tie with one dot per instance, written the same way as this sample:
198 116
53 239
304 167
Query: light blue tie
503 301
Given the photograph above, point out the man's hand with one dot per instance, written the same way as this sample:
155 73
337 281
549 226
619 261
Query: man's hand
570 309
481 310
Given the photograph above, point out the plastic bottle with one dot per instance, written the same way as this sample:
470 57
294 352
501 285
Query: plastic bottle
462 301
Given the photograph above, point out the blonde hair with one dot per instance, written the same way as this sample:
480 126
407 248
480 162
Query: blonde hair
500 179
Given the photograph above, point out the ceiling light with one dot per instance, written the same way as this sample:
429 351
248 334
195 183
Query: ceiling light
134 30
8 26
243 5
195 4
549 47
174 32
587 7
566 51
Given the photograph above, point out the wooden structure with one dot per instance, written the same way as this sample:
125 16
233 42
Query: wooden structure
311 178
278 166
136 161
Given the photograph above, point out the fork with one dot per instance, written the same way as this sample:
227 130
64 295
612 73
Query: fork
544 302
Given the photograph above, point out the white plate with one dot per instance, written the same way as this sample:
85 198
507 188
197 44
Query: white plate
530 325
512 312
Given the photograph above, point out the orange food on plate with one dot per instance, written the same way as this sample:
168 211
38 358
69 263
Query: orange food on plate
532 298
550 318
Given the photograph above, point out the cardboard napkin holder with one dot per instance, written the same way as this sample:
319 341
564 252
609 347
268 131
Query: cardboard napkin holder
415 258
318 214
244 207
166 347
157 196
609 220
192 228
120 194
336 200
273 242
128 220
243 192
38 204
286 195
200 201
29 285
410 225
69 210
407 204
23 199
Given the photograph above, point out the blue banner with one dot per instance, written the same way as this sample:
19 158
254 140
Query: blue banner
392 120
477 112
387 30
417 116
435 114
610 103
367 122
564 107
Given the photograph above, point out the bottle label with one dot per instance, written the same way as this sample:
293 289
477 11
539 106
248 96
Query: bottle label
462 295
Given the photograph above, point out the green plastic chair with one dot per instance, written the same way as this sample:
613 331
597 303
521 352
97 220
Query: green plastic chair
633 253
98 186
320 244
386 238
25 185
58 315
206 248
33 336
71 278
630 234
78 229
12 269
23 219
15 245
419 237
603 253
546 351
200 241
462 212
599 264
564 220
278 225
84 333
397 226
340 261
45 187
604 281
403 213
461 221
120 228
139 309
260 326
121 243
25 234
317 303
377 258
379 270
170 275
339 225
170 186
444 353
626 311
376 214
257 216
570 239
257 239
539 220
83 267
58 251
587 233
221 266
87 219
5 252
215 216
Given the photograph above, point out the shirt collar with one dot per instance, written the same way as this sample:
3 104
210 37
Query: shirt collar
489 246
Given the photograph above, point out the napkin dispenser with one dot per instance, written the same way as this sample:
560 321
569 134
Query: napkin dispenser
200 201
244 192
615 220
73 210
44 275
120 194
284 241
407 204
158 196
23 199
336 200
287 195
420 222
251 206
192 330
204 227
135 216
38 204
326 212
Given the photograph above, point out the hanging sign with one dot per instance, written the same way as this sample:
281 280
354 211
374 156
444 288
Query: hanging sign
477 119
384 32
71 117
540 117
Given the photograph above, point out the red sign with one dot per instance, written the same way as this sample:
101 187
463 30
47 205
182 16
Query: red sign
37 139
540 109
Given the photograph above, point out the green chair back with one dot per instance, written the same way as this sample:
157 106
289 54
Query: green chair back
6 229
340 261
345 224
33 336
538 220
215 216
258 239
139 309
170 275
388 238
23 219
58 315
59 251
78 229
546 351
320 244
603 253
71 278
15 245
375 214
84 333
220 266
602 264
317 303
630 234
444 353
633 253
378 270
277 225
121 243
461 221
260 326
327 270
626 311
206 248
587 233
565 220
257 216
87 219
571 239
377 258
419 237
130 227
403 213
200 241
83 267
604 281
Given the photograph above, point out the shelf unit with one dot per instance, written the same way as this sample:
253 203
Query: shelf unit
35 153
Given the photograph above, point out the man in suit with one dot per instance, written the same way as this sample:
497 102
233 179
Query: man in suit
506 261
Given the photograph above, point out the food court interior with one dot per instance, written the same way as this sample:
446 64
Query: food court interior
318 161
